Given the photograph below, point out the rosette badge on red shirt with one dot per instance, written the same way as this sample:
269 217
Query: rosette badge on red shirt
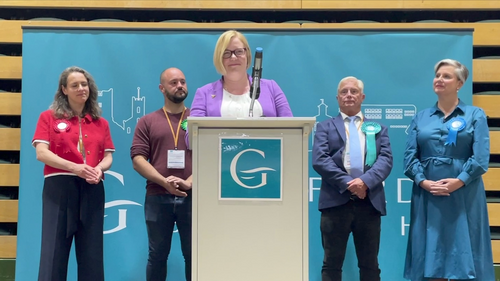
61 126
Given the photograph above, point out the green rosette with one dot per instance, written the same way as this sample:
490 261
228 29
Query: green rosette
184 124
370 129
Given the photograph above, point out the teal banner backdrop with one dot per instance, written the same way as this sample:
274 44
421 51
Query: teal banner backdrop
396 66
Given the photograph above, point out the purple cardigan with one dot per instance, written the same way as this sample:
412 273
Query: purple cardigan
208 99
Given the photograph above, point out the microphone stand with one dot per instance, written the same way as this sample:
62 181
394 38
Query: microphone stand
254 94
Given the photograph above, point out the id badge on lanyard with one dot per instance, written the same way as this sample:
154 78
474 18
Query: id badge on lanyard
175 158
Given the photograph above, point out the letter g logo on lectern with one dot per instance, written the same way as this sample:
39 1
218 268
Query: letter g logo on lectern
234 174
250 168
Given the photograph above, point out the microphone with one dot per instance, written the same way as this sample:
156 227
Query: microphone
256 75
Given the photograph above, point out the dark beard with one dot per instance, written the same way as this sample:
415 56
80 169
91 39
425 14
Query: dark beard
175 99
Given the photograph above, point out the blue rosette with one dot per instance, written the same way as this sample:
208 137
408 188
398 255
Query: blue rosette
455 125
370 129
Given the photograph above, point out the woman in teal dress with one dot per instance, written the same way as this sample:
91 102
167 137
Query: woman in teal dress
447 151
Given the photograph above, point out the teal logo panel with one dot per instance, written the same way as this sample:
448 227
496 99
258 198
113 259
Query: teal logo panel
250 168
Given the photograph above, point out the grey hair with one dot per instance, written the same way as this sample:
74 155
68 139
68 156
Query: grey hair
460 70
361 86
60 105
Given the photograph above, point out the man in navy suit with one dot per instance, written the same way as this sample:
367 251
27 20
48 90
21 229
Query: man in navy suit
352 195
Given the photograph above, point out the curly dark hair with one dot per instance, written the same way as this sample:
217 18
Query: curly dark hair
60 105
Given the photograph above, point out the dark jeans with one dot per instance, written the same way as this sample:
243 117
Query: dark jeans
363 220
162 212
72 208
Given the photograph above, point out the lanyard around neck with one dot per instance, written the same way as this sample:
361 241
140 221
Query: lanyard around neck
175 135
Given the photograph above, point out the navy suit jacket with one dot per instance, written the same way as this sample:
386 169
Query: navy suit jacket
329 144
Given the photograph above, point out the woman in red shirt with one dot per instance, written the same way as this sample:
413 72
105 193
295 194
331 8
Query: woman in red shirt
74 143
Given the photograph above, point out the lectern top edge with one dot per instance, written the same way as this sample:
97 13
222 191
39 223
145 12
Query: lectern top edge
260 122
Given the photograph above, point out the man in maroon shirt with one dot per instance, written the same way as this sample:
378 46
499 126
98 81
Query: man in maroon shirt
159 153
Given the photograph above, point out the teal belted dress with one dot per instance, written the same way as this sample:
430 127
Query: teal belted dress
449 236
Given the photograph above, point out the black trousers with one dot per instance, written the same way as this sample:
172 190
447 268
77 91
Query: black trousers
363 220
72 208
162 213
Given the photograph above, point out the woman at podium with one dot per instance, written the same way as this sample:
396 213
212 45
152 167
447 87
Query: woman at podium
230 96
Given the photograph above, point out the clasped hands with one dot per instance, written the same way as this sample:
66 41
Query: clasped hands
443 187
177 186
91 174
357 187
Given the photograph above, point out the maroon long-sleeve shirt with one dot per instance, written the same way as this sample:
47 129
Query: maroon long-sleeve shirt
153 138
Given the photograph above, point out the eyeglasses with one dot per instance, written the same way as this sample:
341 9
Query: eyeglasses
237 52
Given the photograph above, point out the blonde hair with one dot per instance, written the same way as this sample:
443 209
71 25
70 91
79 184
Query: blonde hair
460 70
360 83
221 46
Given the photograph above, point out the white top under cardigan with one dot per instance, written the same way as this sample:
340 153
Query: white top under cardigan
238 106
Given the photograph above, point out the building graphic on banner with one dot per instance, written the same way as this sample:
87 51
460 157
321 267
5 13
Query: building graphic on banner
394 116
138 109
322 115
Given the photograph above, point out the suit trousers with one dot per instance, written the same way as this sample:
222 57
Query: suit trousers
72 208
363 220
162 213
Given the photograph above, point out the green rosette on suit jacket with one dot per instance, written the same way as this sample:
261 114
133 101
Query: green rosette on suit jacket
370 129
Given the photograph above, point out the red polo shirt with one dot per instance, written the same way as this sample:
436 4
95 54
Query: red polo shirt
63 135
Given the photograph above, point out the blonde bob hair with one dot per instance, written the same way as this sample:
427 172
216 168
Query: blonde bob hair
461 71
221 46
